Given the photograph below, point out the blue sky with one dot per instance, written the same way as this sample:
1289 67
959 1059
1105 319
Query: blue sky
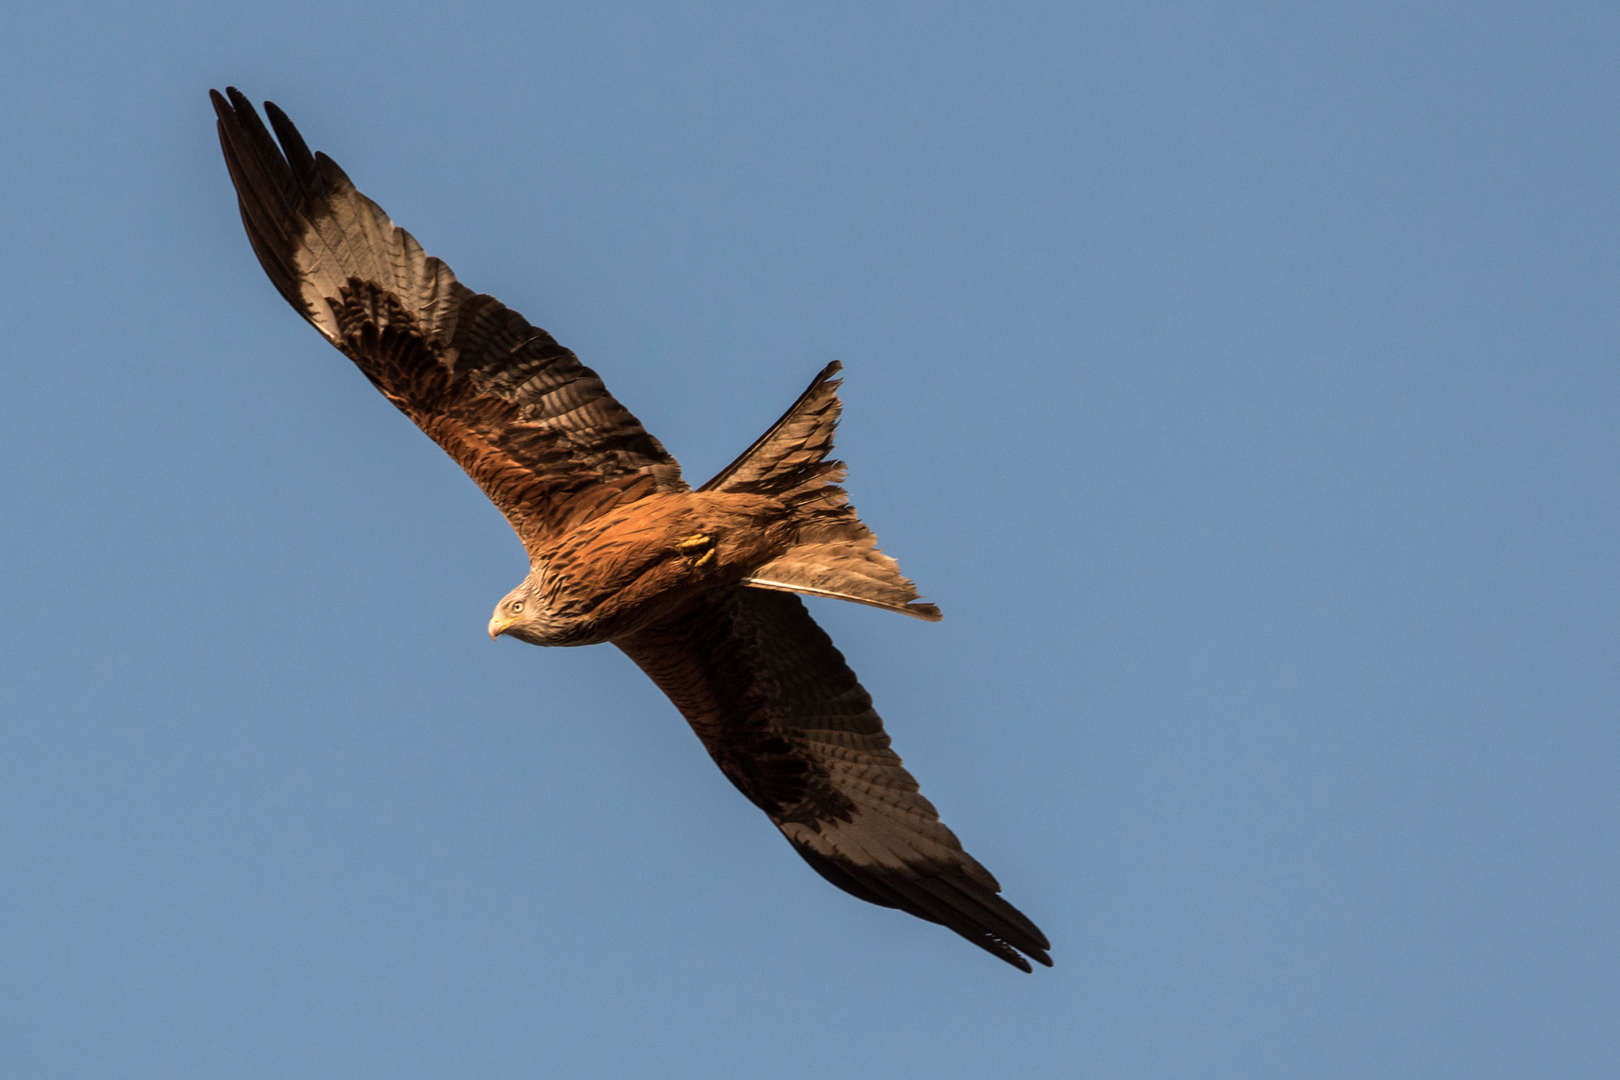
1240 380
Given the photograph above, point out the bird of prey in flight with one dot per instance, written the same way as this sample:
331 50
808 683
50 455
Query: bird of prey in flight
696 586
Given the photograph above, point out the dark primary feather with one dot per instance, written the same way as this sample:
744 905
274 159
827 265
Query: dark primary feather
789 724
532 425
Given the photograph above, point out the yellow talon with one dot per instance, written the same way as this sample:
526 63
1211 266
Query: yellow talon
698 548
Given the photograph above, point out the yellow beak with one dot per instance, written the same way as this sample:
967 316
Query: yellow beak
497 626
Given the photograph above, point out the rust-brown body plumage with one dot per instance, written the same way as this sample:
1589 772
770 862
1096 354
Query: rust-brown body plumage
694 586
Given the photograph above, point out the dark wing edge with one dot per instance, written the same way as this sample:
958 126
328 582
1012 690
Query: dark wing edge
535 428
789 724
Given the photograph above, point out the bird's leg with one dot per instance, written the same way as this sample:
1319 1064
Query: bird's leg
697 548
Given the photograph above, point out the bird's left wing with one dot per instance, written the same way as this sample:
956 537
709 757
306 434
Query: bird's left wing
534 427
789 724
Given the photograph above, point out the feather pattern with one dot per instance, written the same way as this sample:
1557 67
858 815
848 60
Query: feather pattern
621 549
533 426
789 724
835 554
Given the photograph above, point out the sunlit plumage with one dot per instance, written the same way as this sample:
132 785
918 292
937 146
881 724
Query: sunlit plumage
695 586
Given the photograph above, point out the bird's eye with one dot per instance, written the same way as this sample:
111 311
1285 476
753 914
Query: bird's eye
517 605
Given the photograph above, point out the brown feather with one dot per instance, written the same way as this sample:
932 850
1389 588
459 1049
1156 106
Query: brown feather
534 427
622 550
834 554
789 724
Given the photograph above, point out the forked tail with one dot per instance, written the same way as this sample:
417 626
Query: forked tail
836 554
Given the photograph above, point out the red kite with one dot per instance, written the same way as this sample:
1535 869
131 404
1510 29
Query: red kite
695 586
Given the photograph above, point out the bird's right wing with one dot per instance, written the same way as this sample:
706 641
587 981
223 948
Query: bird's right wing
534 427
789 724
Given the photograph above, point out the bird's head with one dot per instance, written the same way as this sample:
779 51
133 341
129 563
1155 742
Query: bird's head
515 609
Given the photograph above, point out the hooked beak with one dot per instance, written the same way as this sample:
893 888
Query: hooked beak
497 626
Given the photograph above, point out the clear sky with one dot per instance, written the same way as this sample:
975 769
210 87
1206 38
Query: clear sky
1240 379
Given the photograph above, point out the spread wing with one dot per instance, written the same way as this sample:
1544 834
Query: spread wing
534 427
789 724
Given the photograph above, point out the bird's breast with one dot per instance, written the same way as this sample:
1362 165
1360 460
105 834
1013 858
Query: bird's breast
642 563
